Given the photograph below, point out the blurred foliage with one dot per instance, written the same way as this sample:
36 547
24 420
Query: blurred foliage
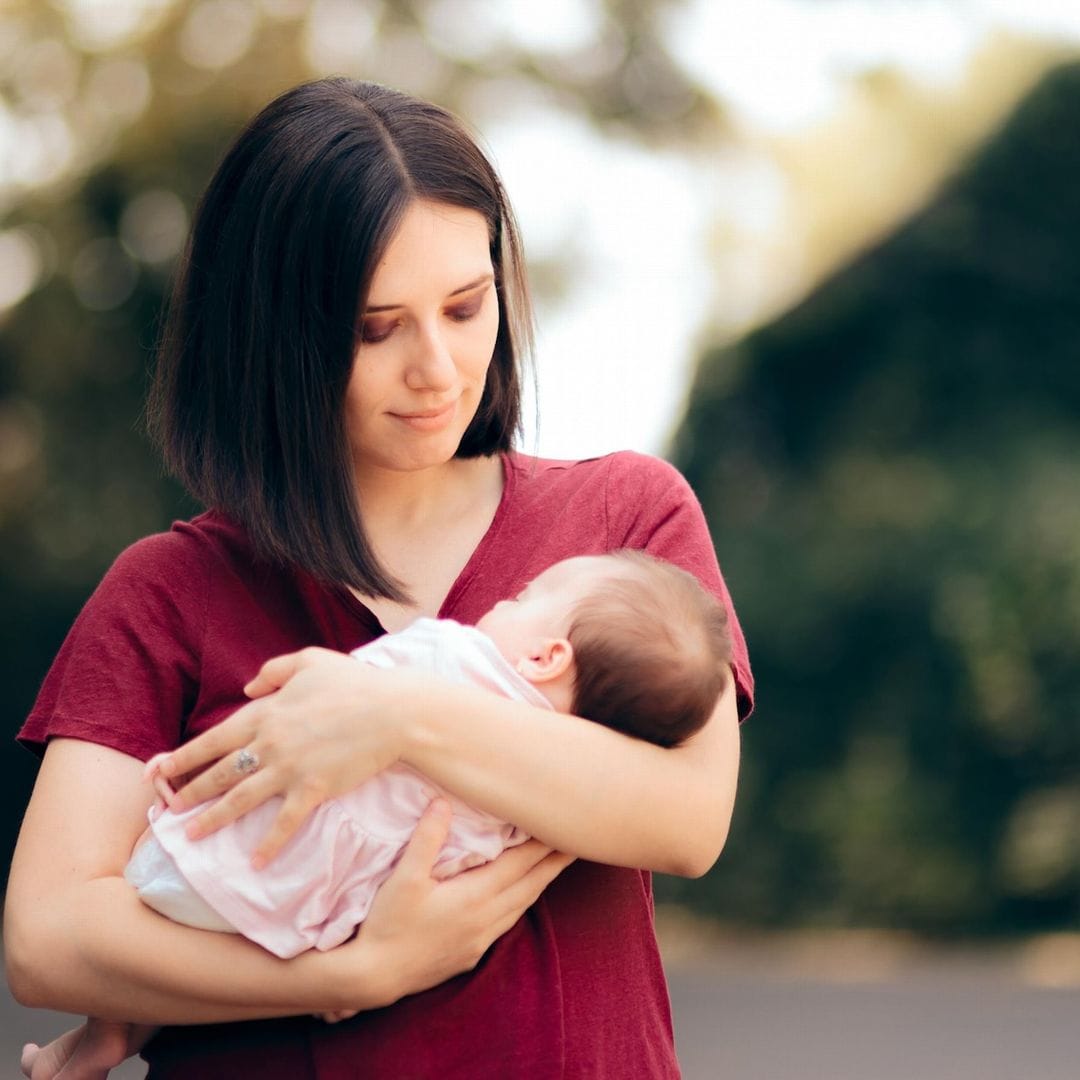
892 474
115 122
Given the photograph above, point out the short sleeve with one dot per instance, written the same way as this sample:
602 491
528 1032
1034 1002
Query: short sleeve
128 671
650 506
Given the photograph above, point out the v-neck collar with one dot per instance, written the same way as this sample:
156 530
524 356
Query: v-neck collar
469 571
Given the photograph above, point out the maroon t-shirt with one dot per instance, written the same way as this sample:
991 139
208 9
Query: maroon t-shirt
183 619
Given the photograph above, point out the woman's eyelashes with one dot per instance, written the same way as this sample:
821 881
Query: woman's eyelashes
469 310
372 331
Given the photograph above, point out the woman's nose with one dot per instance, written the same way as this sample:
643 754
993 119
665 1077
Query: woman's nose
431 366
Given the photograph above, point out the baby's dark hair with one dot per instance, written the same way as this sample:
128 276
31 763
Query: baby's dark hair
651 650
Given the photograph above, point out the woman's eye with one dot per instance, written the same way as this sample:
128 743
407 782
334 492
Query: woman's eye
371 333
465 312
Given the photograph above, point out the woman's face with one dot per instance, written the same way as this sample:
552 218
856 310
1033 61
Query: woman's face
427 337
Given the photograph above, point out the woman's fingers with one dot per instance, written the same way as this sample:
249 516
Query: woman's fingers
518 876
226 775
512 864
235 803
432 929
231 734
295 807
522 893
273 675
511 883
427 840
276 672
526 890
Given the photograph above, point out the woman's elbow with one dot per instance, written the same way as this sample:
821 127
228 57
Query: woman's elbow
697 856
36 961
24 965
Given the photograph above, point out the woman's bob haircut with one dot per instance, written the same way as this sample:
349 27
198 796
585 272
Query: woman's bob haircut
247 403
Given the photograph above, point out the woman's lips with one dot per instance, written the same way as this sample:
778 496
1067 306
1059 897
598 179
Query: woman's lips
429 419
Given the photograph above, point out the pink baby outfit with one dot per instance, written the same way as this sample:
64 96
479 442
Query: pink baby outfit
321 886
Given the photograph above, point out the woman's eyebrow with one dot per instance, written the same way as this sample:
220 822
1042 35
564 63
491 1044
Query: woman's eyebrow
484 279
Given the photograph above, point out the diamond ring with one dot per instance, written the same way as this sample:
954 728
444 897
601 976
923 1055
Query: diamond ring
247 762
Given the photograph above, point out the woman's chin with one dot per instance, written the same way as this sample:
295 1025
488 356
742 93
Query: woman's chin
429 453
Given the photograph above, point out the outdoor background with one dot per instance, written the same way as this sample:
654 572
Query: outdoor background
822 254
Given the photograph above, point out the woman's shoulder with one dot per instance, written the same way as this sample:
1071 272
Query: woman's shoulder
616 467
625 482
185 546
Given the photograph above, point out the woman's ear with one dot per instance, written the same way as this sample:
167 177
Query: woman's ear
549 659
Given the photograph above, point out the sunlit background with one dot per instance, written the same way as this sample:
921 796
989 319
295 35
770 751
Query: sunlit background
771 141
821 253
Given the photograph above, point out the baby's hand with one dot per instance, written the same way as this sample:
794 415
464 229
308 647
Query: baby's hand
152 772
341 1014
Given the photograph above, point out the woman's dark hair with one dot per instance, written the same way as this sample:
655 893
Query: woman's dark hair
247 403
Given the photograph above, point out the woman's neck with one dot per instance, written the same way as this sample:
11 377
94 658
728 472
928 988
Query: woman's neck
425 532
398 501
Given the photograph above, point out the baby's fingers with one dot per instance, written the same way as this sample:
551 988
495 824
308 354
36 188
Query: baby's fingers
337 1017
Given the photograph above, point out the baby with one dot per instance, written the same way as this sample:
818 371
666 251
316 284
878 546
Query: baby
623 639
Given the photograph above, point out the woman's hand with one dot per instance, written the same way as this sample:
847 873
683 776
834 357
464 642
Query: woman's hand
321 723
421 932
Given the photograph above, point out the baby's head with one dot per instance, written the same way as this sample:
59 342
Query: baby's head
624 639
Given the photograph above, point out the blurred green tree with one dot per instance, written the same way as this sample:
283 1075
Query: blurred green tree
891 471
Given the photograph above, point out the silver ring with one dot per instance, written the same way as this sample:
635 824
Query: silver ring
247 762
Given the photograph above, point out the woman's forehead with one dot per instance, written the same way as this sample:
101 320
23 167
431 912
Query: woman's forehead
434 245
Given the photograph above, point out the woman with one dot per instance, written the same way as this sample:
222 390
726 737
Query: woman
339 383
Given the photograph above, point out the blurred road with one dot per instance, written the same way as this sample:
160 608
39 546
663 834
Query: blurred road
747 1028
870 1006
834 1007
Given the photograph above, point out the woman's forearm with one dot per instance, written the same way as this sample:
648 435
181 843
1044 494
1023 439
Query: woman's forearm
577 786
77 938
96 949
580 787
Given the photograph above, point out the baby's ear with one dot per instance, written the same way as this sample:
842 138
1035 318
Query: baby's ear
548 659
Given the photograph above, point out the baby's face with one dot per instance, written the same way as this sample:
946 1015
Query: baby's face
543 609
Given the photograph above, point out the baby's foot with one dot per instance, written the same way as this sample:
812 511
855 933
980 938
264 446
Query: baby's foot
87 1052
44 1062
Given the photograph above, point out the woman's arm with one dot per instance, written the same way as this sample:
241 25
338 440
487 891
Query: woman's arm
581 786
78 939
577 785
